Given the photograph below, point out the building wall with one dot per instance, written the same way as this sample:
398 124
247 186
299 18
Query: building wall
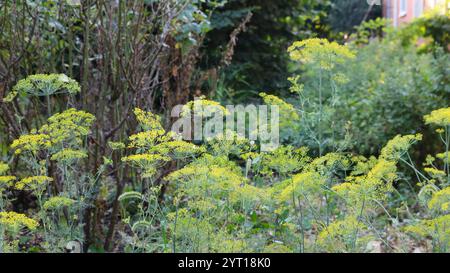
392 9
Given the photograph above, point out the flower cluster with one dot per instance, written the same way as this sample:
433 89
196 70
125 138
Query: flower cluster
343 235
155 146
68 126
148 120
440 201
438 229
288 114
439 117
398 146
46 85
283 161
32 182
301 185
320 51
3 168
14 221
203 108
54 203
61 129
148 162
31 143
68 155
7 181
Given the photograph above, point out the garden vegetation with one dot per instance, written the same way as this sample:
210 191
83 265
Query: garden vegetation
88 162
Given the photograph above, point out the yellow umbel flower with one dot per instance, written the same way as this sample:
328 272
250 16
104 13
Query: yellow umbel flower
31 143
368 189
14 221
116 145
384 170
178 149
288 114
57 202
437 228
440 200
148 139
147 162
46 84
284 160
68 125
3 168
68 155
145 159
329 162
7 180
301 185
32 182
343 235
203 107
444 157
435 173
439 117
226 143
148 120
399 145
320 51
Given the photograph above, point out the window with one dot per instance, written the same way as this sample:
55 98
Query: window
403 7
418 8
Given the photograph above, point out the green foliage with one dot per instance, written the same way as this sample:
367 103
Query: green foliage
344 15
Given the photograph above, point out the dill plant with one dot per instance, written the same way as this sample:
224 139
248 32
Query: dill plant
318 90
434 183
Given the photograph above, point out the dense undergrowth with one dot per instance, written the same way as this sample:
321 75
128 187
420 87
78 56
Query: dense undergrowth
363 164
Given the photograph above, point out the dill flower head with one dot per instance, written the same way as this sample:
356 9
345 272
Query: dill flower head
340 235
439 117
148 120
57 202
3 168
67 156
31 143
399 145
32 182
445 157
14 221
437 228
46 84
329 162
7 181
228 142
203 107
147 162
320 51
148 139
384 170
213 174
370 188
116 145
287 111
179 149
68 125
283 160
301 185
440 201
435 173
